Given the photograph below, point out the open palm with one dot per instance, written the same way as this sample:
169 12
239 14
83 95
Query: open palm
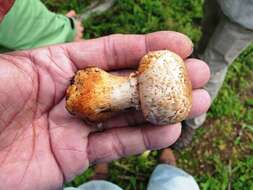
41 144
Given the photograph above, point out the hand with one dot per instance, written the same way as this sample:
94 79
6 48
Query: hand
41 144
78 25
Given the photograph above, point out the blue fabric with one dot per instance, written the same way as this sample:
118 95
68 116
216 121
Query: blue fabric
96 185
164 177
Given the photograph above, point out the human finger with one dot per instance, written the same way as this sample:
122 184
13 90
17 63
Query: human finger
125 51
120 142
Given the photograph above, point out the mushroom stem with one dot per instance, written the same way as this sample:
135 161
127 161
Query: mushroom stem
125 95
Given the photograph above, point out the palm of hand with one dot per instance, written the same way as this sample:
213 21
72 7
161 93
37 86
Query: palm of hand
34 126
41 145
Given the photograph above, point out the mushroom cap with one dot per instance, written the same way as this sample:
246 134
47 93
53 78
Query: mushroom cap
164 88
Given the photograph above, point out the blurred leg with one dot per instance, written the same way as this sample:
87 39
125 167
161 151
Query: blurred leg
211 18
221 47
228 41
166 177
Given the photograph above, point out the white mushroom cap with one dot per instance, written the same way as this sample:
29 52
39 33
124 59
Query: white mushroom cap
164 88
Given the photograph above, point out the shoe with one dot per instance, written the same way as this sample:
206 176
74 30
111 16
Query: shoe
101 172
167 157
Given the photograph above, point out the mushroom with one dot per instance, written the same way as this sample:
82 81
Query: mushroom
160 88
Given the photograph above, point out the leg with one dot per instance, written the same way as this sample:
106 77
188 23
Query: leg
96 185
227 42
166 177
211 18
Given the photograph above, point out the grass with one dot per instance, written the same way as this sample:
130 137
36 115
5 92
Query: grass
220 156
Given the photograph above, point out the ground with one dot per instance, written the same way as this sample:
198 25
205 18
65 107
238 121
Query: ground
221 154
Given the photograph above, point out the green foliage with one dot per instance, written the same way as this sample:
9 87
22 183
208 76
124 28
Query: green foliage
133 172
242 174
219 179
238 177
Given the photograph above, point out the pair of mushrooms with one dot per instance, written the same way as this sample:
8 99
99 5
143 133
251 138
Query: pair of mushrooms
160 88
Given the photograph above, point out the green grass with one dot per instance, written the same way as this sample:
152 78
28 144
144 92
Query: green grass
220 156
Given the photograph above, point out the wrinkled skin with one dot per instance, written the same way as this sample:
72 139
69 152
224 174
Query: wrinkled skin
41 144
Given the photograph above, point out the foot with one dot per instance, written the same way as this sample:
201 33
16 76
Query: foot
185 138
101 172
167 157
78 25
